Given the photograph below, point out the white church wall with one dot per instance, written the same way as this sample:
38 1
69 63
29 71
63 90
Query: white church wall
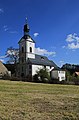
36 68
30 44
30 54
48 67
29 39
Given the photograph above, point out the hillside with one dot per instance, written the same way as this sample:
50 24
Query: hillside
32 101
3 69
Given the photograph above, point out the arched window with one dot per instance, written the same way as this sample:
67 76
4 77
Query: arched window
22 49
31 49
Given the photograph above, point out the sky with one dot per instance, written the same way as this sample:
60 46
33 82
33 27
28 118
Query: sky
54 25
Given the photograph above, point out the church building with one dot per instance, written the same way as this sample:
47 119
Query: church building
29 62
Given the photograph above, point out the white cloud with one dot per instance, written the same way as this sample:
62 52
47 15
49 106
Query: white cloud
72 41
61 62
73 46
64 46
2 60
1 10
72 37
44 52
36 34
5 27
2 57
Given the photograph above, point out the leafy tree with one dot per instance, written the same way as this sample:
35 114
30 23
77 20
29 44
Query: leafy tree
42 75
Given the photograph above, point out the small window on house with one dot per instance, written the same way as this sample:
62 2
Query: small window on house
31 49
22 49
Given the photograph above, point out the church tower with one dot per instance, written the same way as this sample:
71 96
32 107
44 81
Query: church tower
26 50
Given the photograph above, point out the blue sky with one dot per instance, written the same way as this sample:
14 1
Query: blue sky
54 25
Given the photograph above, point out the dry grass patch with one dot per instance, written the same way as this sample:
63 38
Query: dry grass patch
32 101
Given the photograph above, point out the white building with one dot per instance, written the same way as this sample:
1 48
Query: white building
58 74
29 62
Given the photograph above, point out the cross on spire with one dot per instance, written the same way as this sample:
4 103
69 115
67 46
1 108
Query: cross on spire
26 20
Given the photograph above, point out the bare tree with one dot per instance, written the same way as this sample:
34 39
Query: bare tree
13 54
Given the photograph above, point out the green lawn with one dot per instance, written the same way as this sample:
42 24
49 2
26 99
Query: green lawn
32 101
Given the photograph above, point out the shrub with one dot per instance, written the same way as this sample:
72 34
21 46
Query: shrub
42 75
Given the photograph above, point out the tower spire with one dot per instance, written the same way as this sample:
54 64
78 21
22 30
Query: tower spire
26 28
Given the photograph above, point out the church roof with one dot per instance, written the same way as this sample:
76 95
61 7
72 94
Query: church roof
26 37
42 60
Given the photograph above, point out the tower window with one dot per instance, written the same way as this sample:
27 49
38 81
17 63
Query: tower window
22 49
30 49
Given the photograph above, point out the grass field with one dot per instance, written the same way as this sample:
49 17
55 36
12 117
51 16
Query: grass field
32 101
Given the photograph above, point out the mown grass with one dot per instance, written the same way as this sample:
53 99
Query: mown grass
32 101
